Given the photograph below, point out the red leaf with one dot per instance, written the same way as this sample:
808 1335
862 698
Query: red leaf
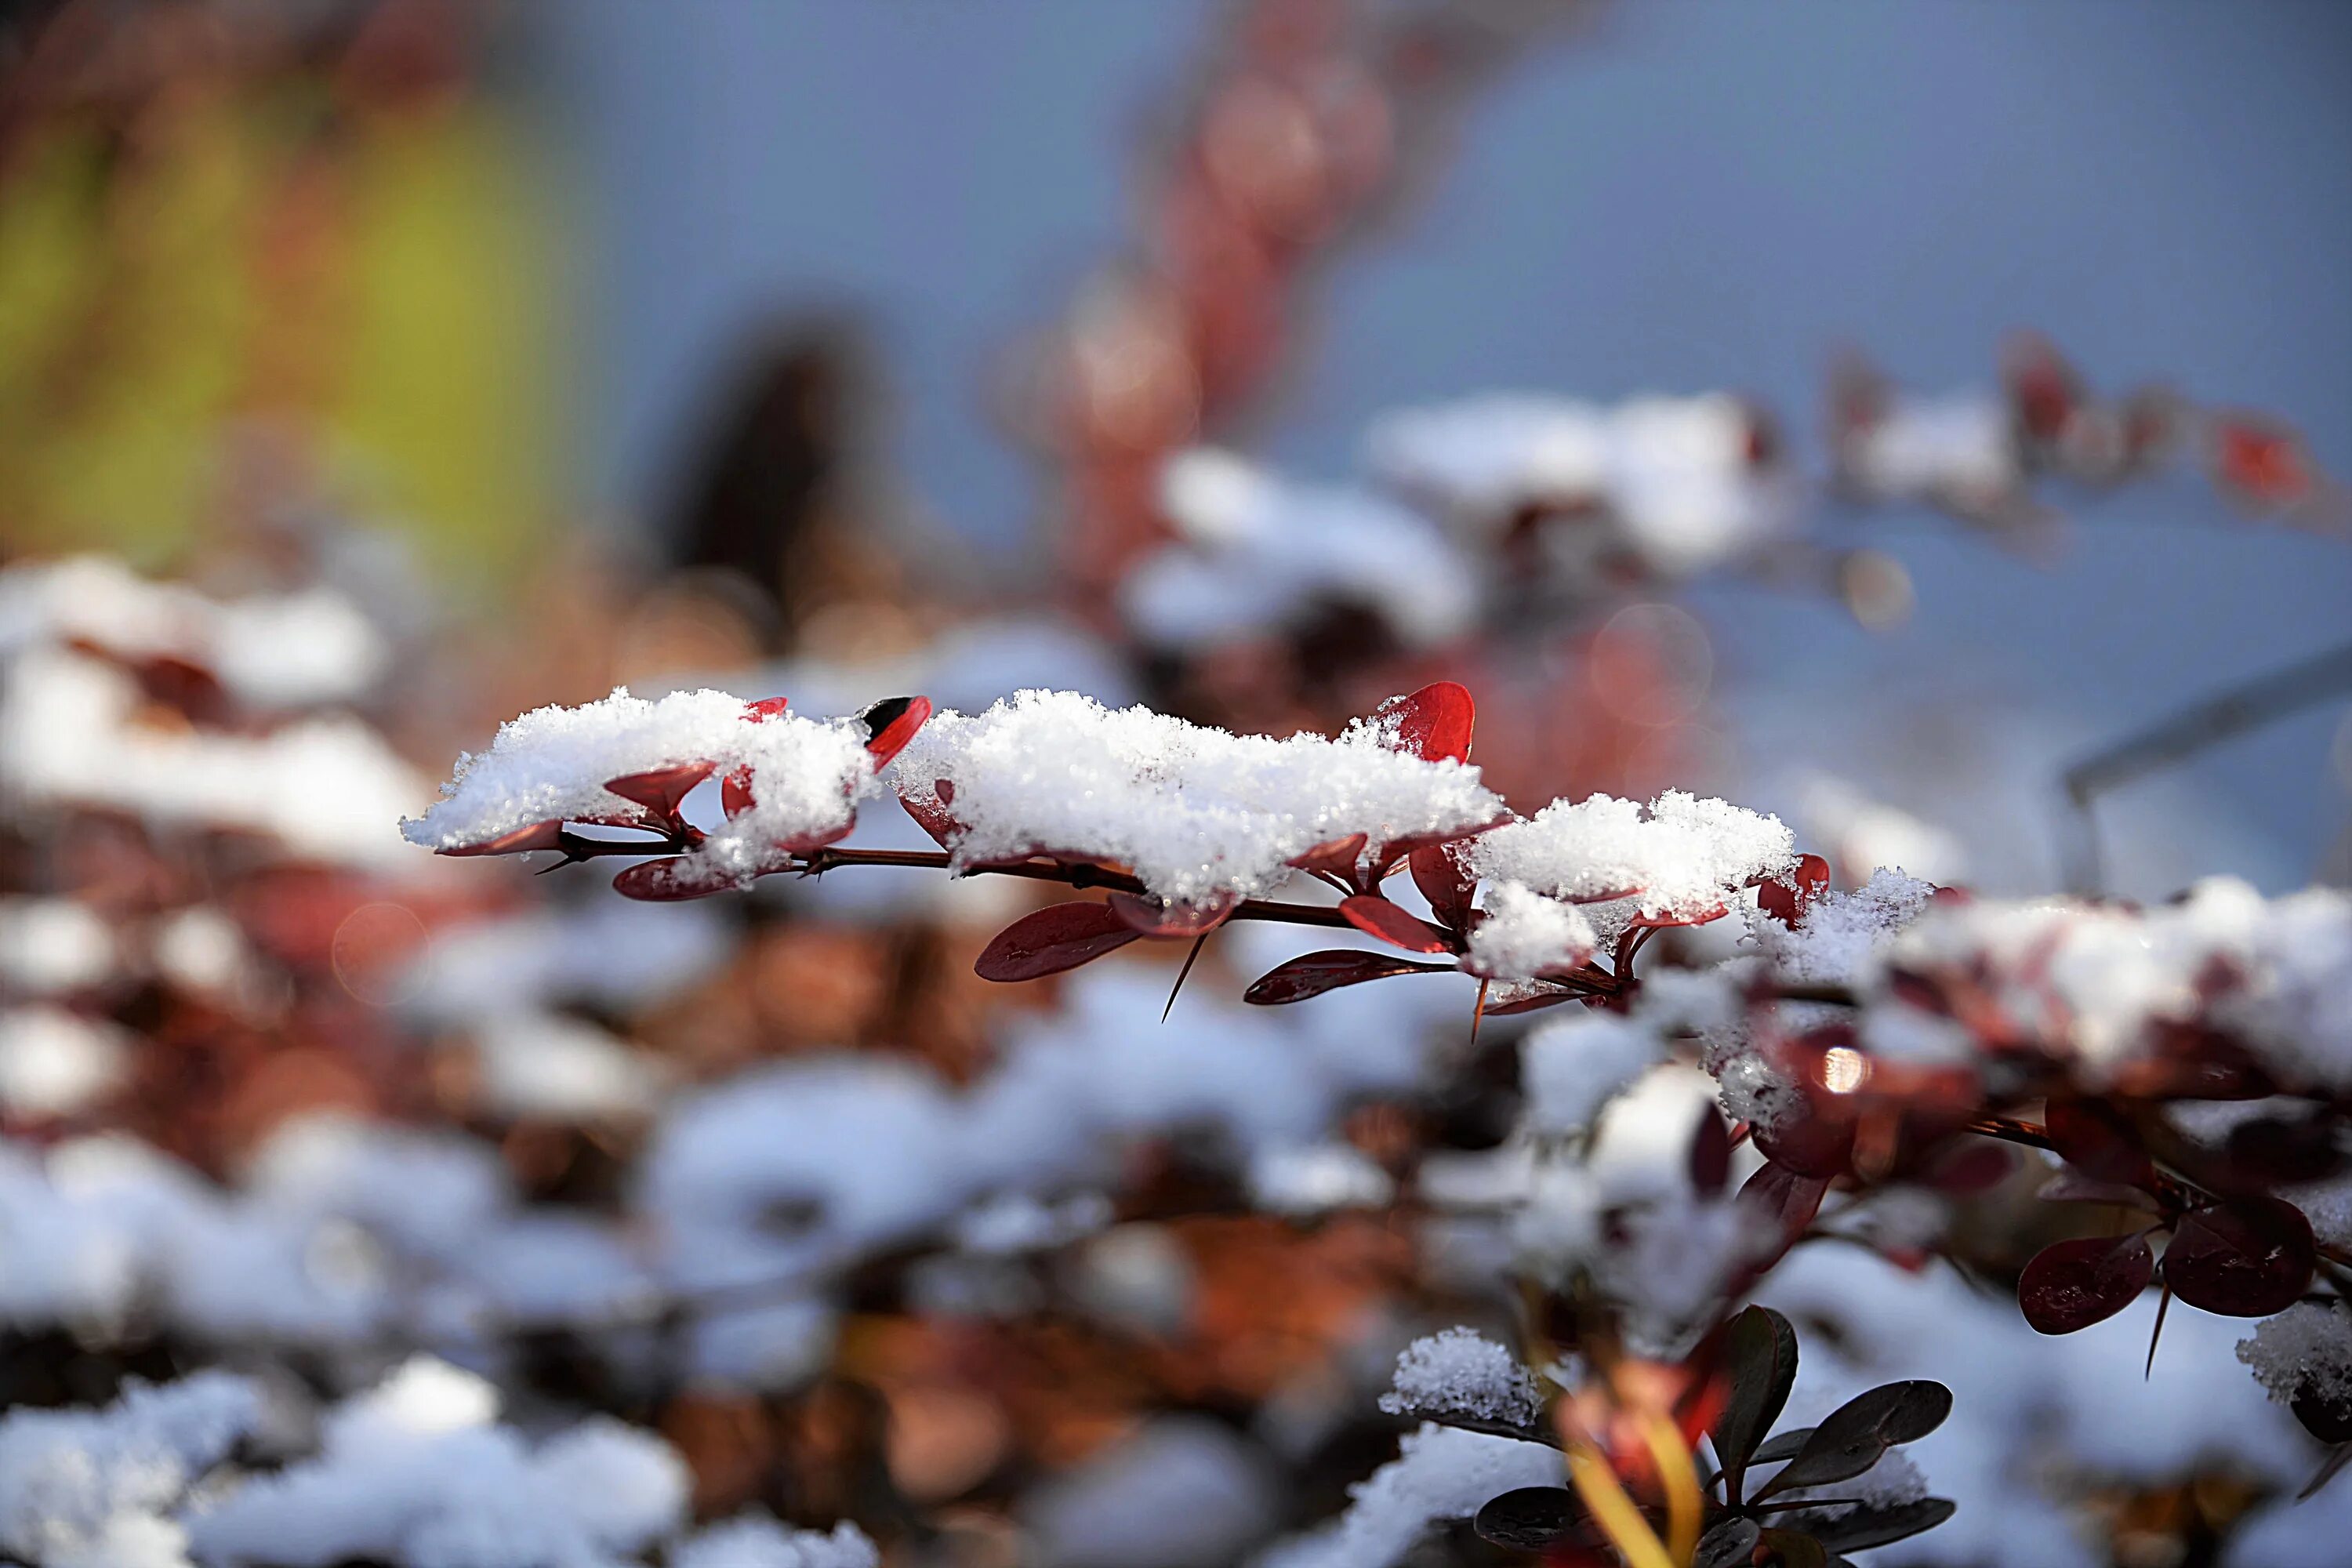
1446 880
548 835
1375 916
1528 1004
2247 1258
1710 1153
2074 1284
891 723
670 881
1780 1197
1970 1166
660 790
1333 856
931 813
1316 972
2094 1137
735 796
1053 939
765 709
1146 917
1787 901
1432 723
2267 467
1809 1140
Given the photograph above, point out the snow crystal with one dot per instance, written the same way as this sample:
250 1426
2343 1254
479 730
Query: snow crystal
1438 1473
91 1488
1256 553
1572 1066
2307 1349
1199 814
1524 934
415 1473
1839 936
551 763
1461 1372
752 1541
1679 857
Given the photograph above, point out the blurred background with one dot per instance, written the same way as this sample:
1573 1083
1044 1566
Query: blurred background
1876 414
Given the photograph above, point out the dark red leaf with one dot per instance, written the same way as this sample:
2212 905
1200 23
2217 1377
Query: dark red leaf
1784 1198
2096 1140
1728 1544
1528 1004
1970 1167
735 796
1787 901
1333 856
1316 972
2326 1416
1760 1359
670 881
1375 916
1150 918
1811 1138
1053 939
1529 1519
2282 1151
1432 723
1443 874
1791 1549
1665 922
2073 1187
1865 1527
2247 1258
659 790
891 723
1857 1434
765 709
1710 1153
548 835
930 812
2072 1284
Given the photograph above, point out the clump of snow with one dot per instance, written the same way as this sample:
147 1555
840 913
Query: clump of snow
1954 451
1256 553
1673 477
417 1473
754 1542
1461 1372
1572 1066
1839 938
2101 983
1312 1179
98 1489
328 788
2307 1349
52 946
295 650
1438 1473
560 1068
1680 856
1199 814
552 763
55 1063
1523 934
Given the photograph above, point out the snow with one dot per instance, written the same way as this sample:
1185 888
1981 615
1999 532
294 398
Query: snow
56 1063
1841 936
1438 1473
1182 1491
1460 1373
606 952
1256 553
70 734
1313 1179
754 1542
294 650
557 1069
552 764
1679 857
1673 475
415 1473
1525 935
52 946
99 1488
1960 449
1200 814
2307 1349
1572 1066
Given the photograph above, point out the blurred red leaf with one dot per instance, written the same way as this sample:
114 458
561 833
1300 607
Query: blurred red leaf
1316 972
2094 1137
1781 1197
670 881
1053 939
1376 917
2072 1284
